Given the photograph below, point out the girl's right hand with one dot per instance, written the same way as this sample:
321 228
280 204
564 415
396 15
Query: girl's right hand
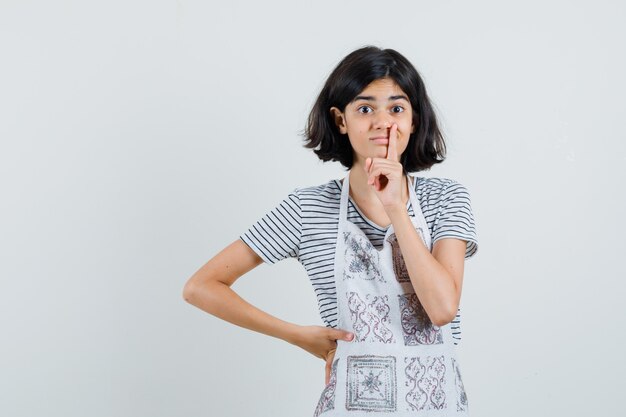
321 342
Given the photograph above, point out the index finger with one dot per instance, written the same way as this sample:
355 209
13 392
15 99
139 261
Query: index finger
392 149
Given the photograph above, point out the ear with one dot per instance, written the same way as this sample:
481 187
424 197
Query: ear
339 119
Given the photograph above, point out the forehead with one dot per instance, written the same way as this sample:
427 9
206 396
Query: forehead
382 88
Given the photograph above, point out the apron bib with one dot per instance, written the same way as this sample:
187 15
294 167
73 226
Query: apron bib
398 363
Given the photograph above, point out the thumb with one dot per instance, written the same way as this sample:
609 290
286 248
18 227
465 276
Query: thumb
344 335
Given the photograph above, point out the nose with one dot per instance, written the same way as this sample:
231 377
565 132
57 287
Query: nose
382 121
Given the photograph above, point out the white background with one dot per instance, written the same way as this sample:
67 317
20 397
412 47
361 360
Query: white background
138 138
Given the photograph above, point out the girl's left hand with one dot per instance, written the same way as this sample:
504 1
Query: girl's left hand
385 174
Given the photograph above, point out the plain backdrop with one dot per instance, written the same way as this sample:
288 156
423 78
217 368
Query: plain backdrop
139 138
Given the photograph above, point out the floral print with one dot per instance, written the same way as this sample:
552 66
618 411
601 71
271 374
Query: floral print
370 320
361 258
426 382
371 383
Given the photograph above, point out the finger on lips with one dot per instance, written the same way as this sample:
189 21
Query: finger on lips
392 152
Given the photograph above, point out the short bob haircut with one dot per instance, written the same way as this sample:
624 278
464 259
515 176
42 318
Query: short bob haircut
350 77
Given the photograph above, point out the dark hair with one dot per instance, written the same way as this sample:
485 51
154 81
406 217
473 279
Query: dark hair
351 76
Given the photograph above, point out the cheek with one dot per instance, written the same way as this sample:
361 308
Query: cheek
360 129
406 127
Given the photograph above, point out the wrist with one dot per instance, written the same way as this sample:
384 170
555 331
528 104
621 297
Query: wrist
396 211
292 333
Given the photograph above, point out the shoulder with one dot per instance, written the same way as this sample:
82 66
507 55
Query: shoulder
328 192
449 207
329 187
435 187
300 197
444 201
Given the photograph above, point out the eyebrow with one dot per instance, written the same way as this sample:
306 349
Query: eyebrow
371 98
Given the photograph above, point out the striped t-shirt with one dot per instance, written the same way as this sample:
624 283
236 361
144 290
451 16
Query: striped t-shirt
304 226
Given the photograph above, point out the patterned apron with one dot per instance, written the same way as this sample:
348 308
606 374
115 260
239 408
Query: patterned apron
399 363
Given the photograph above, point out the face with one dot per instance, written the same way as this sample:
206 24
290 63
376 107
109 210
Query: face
367 120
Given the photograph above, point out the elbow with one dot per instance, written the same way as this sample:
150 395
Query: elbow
196 290
442 321
199 287
444 317
189 291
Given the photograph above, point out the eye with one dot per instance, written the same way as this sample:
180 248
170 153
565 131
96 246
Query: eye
397 109
364 109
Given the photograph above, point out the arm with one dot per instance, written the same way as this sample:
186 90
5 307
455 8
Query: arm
438 277
209 289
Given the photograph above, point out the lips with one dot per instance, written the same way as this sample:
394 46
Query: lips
380 140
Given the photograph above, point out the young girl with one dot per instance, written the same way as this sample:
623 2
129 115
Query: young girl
384 250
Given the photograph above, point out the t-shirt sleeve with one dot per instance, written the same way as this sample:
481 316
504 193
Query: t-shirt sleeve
276 235
455 218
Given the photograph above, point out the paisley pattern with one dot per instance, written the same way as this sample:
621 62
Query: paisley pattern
416 325
461 400
361 258
327 399
371 383
370 320
426 382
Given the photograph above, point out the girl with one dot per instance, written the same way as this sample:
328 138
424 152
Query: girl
384 250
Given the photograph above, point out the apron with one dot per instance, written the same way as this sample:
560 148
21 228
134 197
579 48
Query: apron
398 363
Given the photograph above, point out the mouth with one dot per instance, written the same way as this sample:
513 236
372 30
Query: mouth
380 140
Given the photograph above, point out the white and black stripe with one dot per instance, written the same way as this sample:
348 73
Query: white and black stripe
304 226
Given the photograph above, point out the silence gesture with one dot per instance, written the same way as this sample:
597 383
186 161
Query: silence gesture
385 174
